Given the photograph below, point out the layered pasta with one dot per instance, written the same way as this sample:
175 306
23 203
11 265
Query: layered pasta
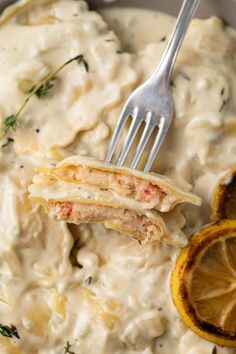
83 190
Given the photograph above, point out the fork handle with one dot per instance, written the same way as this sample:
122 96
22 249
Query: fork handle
169 57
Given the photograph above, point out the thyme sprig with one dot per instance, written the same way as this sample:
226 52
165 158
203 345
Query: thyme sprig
11 122
80 59
9 332
40 89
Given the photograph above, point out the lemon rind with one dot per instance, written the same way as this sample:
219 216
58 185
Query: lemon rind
183 261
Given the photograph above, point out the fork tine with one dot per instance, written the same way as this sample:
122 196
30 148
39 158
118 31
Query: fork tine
135 125
117 132
149 127
163 128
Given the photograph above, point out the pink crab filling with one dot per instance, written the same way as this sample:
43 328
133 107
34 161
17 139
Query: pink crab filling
126 185
127 221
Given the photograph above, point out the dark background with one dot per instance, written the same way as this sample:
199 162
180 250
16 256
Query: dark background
226 9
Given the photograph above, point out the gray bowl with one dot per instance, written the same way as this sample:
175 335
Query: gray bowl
226 9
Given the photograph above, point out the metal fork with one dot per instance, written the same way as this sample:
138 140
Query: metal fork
152 102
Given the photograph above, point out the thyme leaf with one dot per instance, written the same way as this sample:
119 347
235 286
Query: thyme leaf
224 102
222 91
41 90
67 348
10 122
9 332
80 59
44 89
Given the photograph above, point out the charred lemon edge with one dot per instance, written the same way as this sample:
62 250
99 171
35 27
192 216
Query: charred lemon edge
221 194
185 262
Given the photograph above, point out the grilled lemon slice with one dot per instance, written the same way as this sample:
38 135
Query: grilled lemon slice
224 197
203 283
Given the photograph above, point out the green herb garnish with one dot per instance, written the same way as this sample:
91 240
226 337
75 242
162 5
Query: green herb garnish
11 122
225 100
224 103
80 59
67 348
222 91
9 332
40 90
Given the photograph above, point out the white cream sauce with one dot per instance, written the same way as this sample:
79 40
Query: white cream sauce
117 299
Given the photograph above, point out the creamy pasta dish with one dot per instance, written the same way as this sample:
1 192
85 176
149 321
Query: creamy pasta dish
90 289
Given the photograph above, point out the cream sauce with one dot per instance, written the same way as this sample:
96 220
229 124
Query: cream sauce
109 295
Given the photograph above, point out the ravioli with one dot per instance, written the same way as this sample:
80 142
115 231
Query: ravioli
83 190
134 188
